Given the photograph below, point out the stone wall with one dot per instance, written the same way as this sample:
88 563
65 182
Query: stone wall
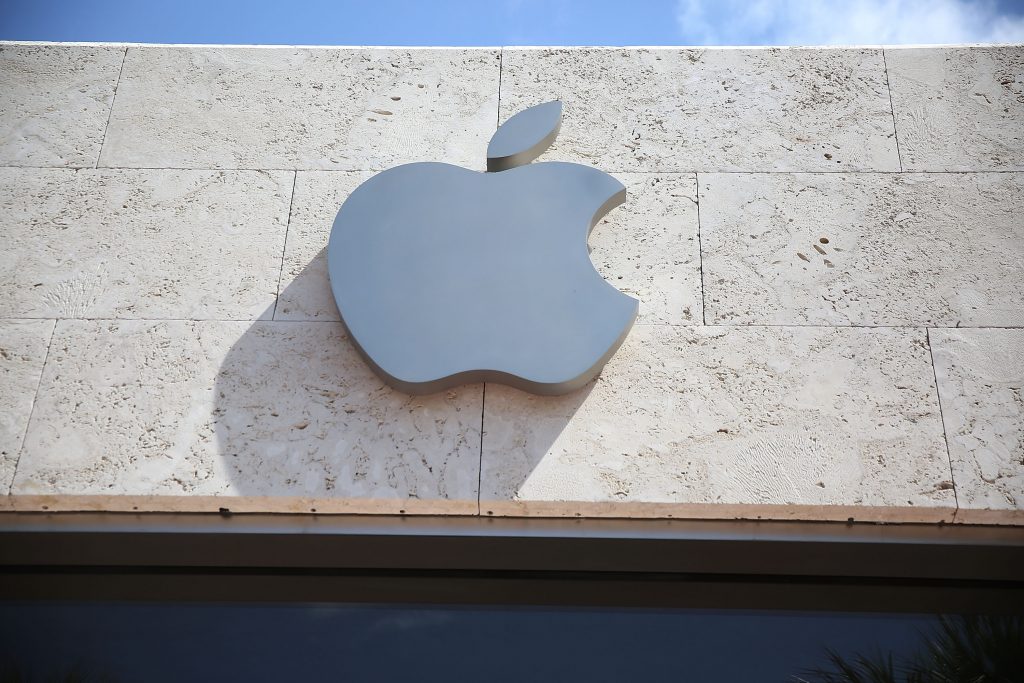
828 247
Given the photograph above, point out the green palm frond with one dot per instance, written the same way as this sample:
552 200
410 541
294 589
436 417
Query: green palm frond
974 649
962 649
876 668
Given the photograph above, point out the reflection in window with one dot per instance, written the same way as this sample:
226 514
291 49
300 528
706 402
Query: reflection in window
310 642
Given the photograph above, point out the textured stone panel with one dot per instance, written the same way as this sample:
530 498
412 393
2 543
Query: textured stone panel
959 109
981 385
305 285
863 249
727 110
22 351
349 109
646 247
54 102
812 416
141 243
233 408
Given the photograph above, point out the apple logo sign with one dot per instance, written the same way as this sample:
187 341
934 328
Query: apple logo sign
445 276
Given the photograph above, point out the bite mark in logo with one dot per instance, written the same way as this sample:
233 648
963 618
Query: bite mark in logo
445 276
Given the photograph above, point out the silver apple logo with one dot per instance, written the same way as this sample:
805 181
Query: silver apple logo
445 276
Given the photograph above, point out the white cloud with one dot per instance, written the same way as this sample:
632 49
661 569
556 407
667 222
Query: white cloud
849 22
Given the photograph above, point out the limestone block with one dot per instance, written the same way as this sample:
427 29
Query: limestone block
54 102
863 249
729 415
305 285
239 409
981 386
334 108
959 109
726 110
23 346
646 247
141 243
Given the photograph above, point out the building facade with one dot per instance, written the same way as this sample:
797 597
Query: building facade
826 245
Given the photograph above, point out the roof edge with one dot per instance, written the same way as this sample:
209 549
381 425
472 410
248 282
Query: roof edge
507 47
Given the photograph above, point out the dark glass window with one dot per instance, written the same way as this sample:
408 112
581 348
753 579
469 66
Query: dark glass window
112 641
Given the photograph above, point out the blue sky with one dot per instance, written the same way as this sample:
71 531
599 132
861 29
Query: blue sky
516 22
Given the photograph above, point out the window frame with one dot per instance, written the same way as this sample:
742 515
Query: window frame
701 564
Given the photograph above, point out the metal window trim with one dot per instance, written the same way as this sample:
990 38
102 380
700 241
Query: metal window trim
924 551
473 560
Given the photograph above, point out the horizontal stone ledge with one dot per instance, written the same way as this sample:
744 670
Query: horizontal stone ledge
289 505
236 504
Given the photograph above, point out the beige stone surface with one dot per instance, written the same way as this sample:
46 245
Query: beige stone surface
197 361
305 286
334 108
959 109
141 243
756 415
704 110
54 102
863 249
239 409
23 345
646 247
981 386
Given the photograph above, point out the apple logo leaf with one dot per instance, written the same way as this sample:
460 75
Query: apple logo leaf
524 137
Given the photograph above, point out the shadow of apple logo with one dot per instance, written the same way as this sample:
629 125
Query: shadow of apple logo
445 276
